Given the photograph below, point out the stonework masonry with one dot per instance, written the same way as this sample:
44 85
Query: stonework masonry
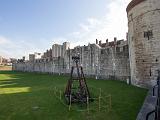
1 60
59 50
110 62
136 59
144 41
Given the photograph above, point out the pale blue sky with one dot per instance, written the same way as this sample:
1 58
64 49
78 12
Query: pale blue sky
28 26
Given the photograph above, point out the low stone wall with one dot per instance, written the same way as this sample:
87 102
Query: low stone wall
110 62
148 106
52 68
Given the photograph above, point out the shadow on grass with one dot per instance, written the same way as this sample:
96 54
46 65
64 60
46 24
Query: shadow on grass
29 96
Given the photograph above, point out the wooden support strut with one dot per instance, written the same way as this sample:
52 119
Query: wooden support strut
80 93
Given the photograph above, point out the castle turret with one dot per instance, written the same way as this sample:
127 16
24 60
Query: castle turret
66 46
144 41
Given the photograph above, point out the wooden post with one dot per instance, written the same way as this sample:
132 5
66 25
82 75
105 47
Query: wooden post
55 90
99 103
110 102
99 99
70 102
88 104
100 92
60 93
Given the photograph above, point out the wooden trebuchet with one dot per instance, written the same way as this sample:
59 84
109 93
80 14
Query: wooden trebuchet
76 87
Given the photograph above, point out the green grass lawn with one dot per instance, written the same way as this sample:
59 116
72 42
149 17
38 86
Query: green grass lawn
30 96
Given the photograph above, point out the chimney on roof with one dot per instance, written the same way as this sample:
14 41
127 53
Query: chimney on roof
100 42
115 40
23 58
107 41
96 41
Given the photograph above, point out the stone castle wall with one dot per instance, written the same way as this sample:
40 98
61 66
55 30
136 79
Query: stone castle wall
144 41
138 58
109 62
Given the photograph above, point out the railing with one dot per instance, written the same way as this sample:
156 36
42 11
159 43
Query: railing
156 111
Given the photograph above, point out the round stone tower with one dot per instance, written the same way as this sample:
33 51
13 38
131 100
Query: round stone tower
144 41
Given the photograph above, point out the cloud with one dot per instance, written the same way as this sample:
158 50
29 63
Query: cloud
16 48
84 27
112 24
90 24
93 22
13 48
74 34
3 40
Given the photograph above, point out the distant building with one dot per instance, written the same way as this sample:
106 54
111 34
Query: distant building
59 50
1 59
56 50
34 56
65 47
114 43
4 61
47 54
13 60
104 60
23 58
37 55
31 57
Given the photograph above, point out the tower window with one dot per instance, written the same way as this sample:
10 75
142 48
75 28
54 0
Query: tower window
131 17
117 49
102 51
148 34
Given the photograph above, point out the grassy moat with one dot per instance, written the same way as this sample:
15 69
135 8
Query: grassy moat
30 96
